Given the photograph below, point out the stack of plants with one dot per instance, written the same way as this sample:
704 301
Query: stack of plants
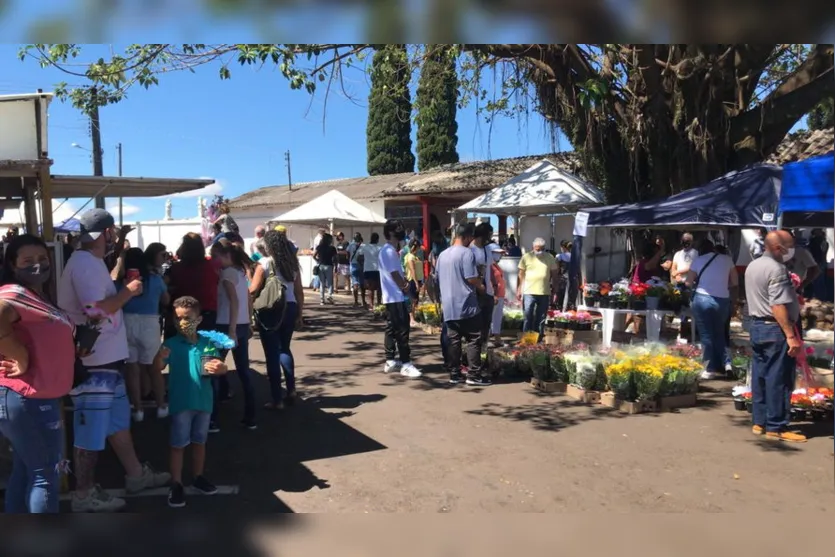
585 370
429 314
572 320
646 375
504 363
591 294
512 319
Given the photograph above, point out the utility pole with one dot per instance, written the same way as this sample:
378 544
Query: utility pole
119 164
289 177
95 134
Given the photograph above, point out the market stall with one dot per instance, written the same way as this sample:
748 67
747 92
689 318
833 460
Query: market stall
807 195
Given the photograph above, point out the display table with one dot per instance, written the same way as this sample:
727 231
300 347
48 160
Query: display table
654 318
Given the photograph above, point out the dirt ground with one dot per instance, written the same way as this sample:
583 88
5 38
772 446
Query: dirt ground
362 441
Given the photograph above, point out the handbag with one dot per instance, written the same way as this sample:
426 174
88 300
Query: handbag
271 304
316 270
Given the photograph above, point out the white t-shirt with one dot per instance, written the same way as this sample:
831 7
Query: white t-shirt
684 259
371 253
289 290
224 304
317 240
390 263
86 281
714 280
484 258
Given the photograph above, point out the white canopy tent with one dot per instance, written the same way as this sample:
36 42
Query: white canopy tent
331 209
542 189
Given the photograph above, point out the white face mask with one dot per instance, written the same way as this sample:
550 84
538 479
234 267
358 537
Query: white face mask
788 255
538 250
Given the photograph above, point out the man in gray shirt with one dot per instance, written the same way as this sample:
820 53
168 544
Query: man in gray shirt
460 284
775 341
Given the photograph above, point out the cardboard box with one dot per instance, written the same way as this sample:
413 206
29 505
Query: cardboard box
578 393
566 337
609 400
548 386
433 330
667 403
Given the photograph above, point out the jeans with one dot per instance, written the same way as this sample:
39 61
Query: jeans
710 315
398 327
277 353
34 428
466 332
485 303
240 354
773 376
445 344
326 278
535 307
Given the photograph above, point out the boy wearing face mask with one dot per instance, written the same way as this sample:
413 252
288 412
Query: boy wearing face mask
192 362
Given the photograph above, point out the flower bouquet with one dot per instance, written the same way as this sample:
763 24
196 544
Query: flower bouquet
539 358
648 376
557 363
619 295
603 299
680 375
379 312
88 333
742 397
638 295
512 319
689 351
591 292
741 364
217 342
429 314
619 376
503 363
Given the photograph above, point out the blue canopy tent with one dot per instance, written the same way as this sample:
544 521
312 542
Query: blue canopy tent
69 226
807 198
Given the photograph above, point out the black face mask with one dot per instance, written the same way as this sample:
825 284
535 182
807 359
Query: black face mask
399 235
34 275
686 245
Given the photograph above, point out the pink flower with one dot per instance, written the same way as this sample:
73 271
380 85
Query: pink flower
829 352
810 350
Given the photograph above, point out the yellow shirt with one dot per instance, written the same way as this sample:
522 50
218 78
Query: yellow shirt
418 275
537 281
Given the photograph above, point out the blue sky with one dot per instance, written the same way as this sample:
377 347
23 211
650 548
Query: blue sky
236 131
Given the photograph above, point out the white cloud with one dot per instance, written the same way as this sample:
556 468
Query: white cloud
62 210
208 192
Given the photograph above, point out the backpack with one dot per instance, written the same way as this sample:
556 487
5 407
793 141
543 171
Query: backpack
270 305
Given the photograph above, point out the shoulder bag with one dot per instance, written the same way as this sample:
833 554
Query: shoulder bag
271 304
701 272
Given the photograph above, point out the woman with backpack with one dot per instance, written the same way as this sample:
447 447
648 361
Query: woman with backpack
279 303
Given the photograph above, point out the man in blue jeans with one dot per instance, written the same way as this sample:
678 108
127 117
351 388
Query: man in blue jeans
775 342
538 277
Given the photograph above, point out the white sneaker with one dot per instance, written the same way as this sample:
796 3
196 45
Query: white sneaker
148 480
162 412
409 370
97 501
391 365
138 415
707 376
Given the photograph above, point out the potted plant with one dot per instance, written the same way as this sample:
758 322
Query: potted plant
638 296
584 321
88 333
591 292
740 362
655 293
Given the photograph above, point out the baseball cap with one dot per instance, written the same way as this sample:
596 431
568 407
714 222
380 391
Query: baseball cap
93 223
281 228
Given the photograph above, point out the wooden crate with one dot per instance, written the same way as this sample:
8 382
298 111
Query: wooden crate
578 393
667 403
548 386
609 400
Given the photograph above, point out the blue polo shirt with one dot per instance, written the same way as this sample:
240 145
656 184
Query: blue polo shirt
148 302
188 389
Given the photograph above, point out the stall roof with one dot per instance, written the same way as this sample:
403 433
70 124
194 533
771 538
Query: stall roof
117 186
334 208
541 189
809 185
746 198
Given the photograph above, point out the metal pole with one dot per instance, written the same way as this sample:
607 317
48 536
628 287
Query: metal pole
95 134
119 159
289 177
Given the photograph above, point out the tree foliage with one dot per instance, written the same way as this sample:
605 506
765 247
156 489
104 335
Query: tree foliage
437 103
647 120
389 129
823 115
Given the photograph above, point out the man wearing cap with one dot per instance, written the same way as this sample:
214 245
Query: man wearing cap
101 409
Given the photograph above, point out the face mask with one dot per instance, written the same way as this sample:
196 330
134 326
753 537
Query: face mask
537 251
188 327
686 245
34 275
788 255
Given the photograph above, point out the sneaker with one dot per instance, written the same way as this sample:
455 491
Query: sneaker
97 501
409 370
758 430
148 480
290 399
138 415
478 380
213 428
322 303
707 376
787 436
162 412
330 301
177 496
392 365
204 486
249 424
456 377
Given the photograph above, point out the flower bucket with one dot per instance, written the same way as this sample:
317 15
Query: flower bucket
739 405
653 302
638 305
603 302
589 300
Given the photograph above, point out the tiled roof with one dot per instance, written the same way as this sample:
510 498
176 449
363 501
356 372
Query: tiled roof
803 145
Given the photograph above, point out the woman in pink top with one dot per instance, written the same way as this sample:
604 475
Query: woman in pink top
37 356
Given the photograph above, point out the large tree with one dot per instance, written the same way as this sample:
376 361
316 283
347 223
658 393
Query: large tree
823 115
437 103
647 120
389 129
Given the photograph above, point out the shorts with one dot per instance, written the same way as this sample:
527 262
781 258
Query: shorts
143 337
343 269
189 427
356 276
372 279
414 288
100 409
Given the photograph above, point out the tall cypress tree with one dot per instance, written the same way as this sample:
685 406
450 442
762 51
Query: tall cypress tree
388 134
437 98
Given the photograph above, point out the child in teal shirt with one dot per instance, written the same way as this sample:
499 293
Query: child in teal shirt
192 361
